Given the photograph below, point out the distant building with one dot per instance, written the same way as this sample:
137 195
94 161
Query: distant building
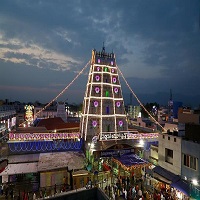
136 111
7 118
61 111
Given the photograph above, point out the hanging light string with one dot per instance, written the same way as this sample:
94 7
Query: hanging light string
61 91
64 89
140 101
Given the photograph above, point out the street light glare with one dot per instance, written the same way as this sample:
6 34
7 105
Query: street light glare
194 182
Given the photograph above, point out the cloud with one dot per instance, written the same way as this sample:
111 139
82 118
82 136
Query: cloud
36 55
156 43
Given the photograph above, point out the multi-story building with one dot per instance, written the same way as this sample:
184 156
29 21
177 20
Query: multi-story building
179 154
103 113
7 119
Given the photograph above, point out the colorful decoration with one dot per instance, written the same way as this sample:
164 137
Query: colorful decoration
114 80
111 62
97 90
118 104
98 69
131 161
121 123
29 113
128 135
96 103
94 123
112 70
97 77
42 136
45 146
98 60
116 90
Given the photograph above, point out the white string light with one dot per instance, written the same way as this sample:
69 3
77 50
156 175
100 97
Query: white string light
140 101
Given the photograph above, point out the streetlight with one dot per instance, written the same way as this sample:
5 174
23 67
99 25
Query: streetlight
194 182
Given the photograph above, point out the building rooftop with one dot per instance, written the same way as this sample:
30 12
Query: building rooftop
57 123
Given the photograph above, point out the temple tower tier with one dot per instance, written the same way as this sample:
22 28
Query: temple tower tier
103 114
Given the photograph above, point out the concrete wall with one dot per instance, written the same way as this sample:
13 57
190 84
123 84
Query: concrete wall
192 149
173 143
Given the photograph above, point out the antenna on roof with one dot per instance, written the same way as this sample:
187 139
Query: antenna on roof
103 49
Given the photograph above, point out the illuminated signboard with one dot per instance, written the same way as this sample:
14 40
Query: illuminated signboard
128 135
42 136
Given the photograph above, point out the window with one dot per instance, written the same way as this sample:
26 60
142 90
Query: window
163 137
169 153
107 93
105 69
174 139
168 138
169 156
190 161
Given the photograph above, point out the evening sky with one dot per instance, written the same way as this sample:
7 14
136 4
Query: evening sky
45 43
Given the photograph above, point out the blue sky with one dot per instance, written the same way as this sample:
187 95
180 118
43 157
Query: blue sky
45 43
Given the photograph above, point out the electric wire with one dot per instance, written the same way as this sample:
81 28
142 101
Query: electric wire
140 101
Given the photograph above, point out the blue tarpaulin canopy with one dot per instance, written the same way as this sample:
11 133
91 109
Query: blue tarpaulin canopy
182 186
166 174
131 160
174 180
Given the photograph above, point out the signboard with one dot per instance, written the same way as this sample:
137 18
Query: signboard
115 152
128 135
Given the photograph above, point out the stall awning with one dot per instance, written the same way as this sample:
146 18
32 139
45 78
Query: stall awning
166 176
128 161
182 185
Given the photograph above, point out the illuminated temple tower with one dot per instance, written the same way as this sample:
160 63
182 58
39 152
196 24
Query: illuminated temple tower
103 114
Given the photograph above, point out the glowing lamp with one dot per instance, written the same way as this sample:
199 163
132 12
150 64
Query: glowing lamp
97 90
120 123
92 145
96 103
114 80
194 182
118 104
97 77
94 123
116 90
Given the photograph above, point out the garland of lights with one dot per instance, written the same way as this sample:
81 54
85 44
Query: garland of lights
41 136
128 135
135 166
45 146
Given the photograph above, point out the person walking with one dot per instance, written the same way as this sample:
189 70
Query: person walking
34 196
